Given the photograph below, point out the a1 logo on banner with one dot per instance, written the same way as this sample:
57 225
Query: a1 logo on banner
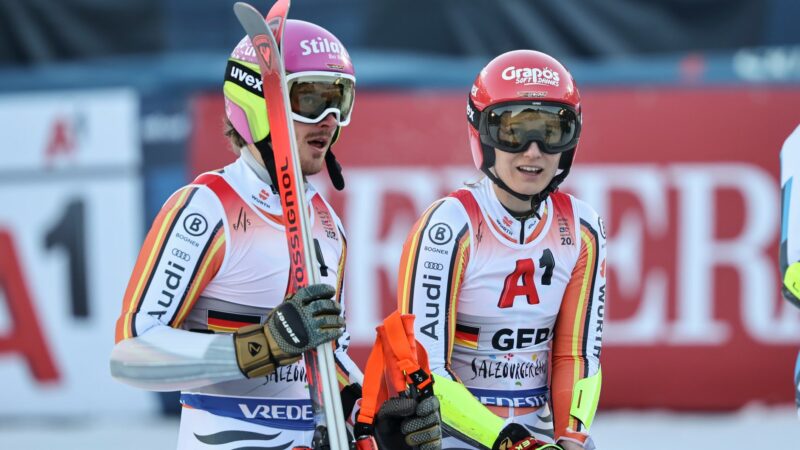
69 232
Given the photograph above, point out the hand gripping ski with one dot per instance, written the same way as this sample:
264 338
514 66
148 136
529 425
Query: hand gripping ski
320 364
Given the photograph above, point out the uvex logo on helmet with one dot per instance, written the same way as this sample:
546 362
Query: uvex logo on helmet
322 45
249 79
531 75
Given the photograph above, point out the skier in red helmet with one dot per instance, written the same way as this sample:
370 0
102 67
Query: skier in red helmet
790 233
506 276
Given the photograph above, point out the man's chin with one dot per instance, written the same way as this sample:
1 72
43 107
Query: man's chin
312 168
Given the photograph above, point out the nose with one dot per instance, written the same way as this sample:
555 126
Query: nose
329 121
533 149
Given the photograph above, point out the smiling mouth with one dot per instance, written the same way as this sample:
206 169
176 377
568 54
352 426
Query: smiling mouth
530 169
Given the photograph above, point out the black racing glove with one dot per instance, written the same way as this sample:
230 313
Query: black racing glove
515 436
404 423
307 319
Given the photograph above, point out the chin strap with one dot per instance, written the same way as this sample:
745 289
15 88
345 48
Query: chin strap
565 163
535 200
264 147
502 185
334 169
552 187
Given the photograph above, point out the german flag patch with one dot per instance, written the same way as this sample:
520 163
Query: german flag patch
223 322
467 336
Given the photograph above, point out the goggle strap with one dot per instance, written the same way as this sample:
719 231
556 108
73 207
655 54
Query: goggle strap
239 74
473 115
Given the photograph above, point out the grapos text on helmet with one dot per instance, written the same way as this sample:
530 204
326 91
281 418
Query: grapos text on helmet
531 75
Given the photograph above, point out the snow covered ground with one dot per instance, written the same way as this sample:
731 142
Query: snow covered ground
754 427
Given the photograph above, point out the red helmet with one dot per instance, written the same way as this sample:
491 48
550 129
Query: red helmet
530 82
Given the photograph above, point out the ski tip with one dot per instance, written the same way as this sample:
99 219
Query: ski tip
276 18
242 8
279 9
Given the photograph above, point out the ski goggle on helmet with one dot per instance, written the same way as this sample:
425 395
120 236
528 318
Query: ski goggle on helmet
519 98
512 126
319 76
315 95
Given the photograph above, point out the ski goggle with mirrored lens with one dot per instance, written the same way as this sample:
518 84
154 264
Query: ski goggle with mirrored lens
314 95
512 126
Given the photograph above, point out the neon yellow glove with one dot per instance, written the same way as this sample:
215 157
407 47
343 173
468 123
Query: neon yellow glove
791 284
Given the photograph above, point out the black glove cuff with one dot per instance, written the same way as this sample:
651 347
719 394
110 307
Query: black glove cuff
361 430
350 395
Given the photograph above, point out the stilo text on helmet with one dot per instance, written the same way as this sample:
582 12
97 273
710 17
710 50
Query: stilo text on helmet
531 75
322 45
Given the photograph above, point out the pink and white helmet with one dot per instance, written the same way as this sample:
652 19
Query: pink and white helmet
319 74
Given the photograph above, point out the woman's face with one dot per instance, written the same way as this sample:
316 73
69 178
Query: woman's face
528 172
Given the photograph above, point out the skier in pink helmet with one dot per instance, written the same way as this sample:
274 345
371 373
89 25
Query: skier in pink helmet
321 83
205 310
